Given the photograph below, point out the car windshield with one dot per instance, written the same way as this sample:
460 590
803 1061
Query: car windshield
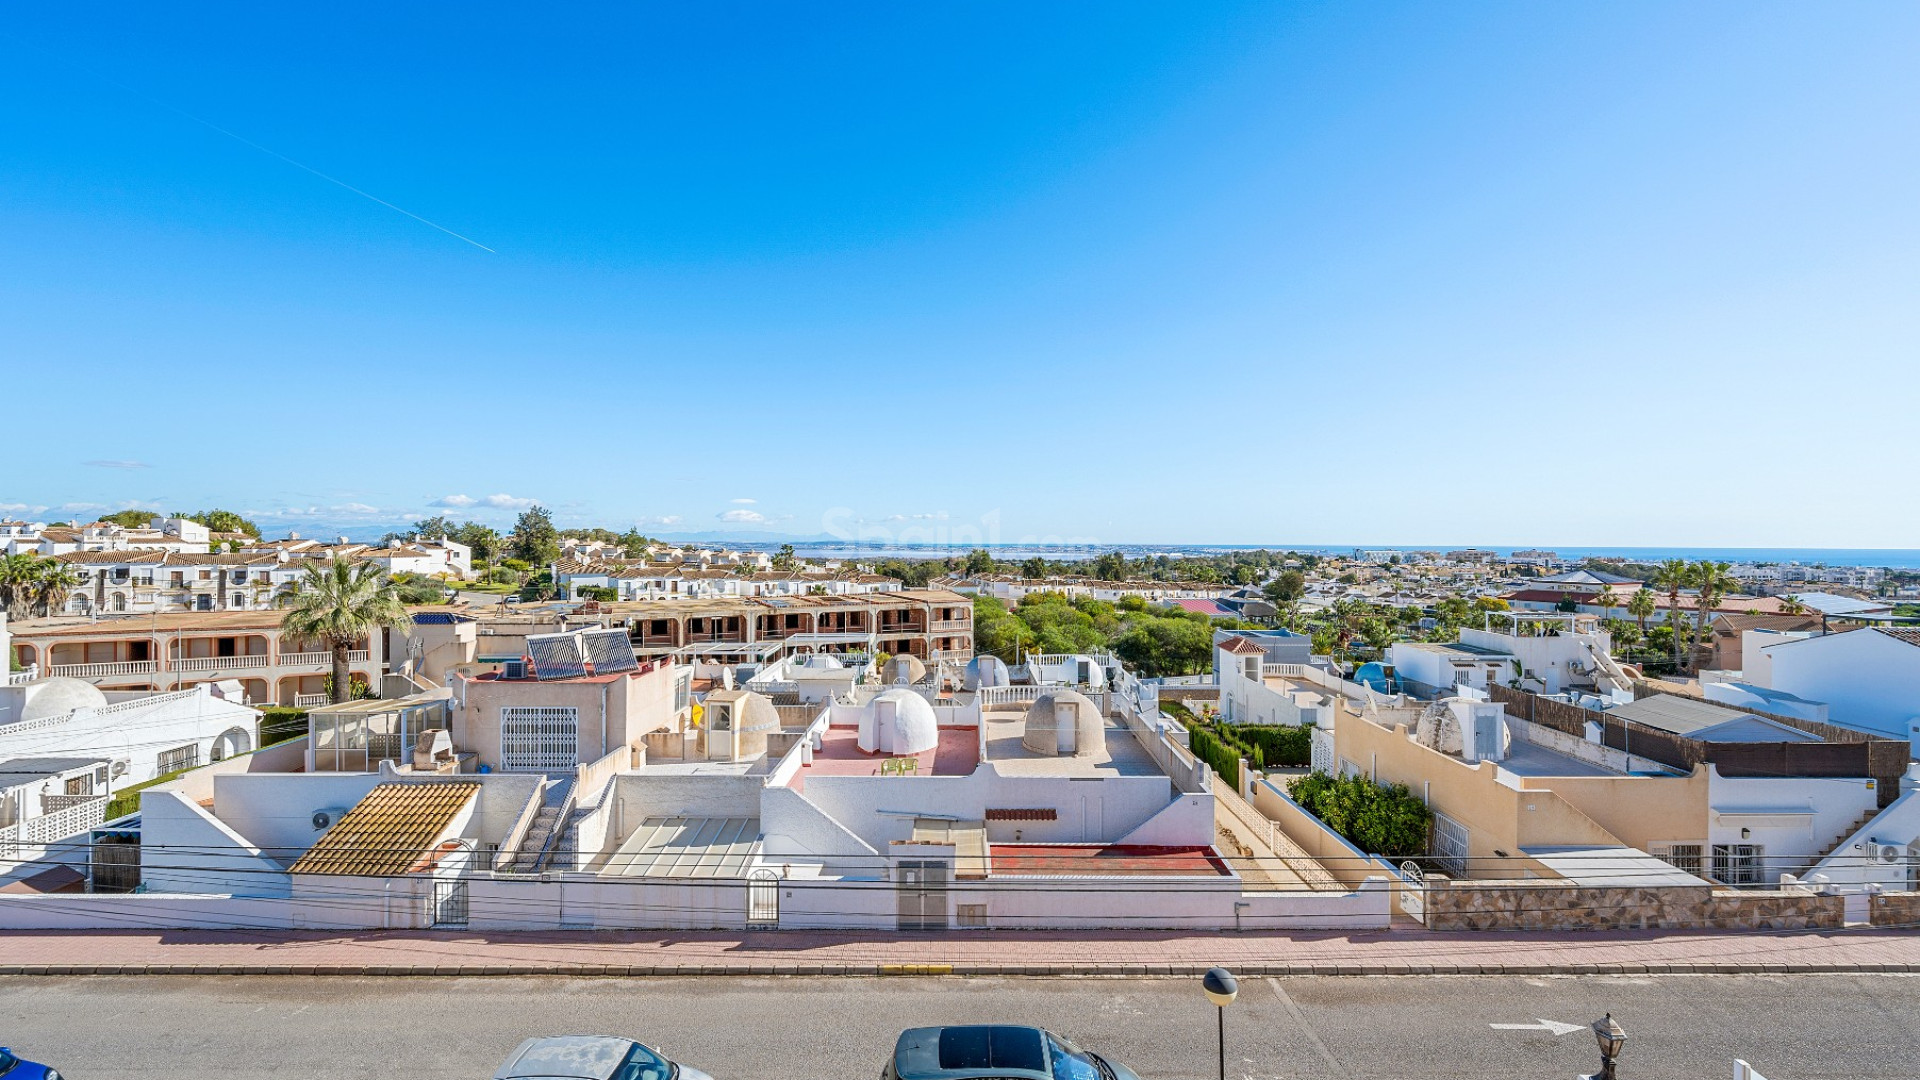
7 1061
1070 1062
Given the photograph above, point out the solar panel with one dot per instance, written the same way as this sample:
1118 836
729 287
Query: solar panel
610 651
556 656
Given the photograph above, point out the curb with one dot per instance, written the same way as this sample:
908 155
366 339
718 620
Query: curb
927 970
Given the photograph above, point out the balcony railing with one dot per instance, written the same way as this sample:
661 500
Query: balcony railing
220 663
18 677
945 625
101 671
309 701
319 659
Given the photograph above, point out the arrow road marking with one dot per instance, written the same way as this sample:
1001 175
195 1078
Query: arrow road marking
1553 1027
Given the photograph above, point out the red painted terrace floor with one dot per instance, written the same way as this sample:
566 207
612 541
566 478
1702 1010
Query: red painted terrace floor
840 755
1091 860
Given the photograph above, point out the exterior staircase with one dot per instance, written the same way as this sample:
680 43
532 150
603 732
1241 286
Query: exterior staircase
533 854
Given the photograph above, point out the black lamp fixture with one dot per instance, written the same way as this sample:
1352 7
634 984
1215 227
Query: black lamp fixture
1221 988
1611 1039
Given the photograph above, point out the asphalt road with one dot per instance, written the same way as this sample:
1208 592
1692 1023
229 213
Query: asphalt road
1790 1027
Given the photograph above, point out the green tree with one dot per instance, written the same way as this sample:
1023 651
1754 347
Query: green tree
338 603
1714 581
19 575
224 521
480 539
1606 599
1034 568
1290 585
130 519
1673 575
1111 566
979 561
438 527
783 559
1792 605
633 545
1641 605
535 541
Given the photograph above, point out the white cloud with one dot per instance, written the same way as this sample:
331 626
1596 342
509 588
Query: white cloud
82 507
118 464
357 508
744 502
647 522
19 508
492 502
747 517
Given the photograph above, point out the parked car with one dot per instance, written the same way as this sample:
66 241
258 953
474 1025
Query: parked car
13 1068
589 1057
1001 1051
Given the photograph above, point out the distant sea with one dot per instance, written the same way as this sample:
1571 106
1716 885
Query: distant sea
1891 558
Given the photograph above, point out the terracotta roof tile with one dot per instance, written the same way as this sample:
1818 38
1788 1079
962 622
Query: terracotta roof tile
390 831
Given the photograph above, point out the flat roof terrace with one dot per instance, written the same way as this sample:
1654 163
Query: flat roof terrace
840 755
1122 756
1104 860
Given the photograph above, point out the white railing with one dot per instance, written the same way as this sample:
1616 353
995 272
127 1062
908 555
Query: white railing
220 663
990 696
19 677
1285 671
48 828
319 659
308 701
96 671
943 625
144 702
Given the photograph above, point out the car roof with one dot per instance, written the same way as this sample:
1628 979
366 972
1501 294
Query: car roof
972 1052
588 1057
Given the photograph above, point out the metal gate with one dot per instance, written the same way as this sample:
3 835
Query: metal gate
539 739
763 901
922 888
449 903
1450 844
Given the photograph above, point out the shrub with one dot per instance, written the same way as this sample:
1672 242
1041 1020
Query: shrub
1380 819
279 723
1223 759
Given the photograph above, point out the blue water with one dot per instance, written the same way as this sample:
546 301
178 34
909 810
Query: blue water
1892 558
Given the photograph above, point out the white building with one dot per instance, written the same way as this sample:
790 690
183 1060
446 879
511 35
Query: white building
1869 679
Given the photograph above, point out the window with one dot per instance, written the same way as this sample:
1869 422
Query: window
181 757
1070 1062
80 785
642 1064
119 601
1683 857
1738 864
539 738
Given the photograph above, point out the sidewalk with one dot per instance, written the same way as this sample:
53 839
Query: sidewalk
198 952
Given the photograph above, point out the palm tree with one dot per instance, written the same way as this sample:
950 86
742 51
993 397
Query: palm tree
1608 600
1714 582
339 603
18 574
1641 605
1674 575
52 585
1791 605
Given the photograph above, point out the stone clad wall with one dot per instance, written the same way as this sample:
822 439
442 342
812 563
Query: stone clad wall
1522 905
1896 909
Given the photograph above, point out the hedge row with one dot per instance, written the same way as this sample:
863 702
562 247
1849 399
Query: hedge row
1224 759
1380 819
1269 746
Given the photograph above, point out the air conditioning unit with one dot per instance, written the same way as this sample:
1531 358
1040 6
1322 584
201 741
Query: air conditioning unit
1887 853
329 817
514 669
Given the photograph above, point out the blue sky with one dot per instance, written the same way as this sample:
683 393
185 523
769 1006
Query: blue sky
1264 273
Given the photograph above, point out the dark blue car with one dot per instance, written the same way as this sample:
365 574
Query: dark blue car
12 1068
995 1052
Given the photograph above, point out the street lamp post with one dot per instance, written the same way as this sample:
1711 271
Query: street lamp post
1221 990
1611 1039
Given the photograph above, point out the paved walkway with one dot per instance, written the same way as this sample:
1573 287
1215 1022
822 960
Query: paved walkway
987 953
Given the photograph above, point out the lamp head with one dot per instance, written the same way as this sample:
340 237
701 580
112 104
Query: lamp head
1220 986
1609 1035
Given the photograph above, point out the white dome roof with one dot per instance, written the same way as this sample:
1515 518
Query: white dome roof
898 722
905 669
1065 722
986 670
822 662
58 697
